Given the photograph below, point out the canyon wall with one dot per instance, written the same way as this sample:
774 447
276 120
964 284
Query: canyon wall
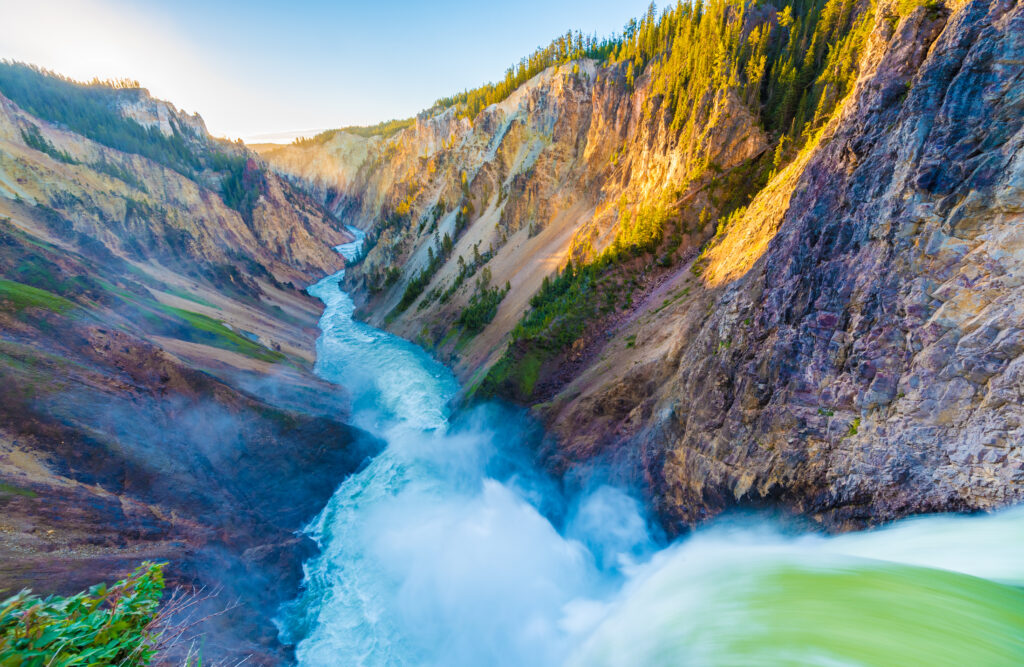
157 400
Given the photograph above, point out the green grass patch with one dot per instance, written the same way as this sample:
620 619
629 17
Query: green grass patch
216 333
514 376
21 296
452 333
117 291
528 370
12 490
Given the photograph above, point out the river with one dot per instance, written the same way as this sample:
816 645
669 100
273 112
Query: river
449 549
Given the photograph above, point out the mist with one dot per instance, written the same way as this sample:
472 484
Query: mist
452 548
442 552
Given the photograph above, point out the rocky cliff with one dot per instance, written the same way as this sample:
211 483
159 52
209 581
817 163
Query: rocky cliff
156 394
854 352
829 326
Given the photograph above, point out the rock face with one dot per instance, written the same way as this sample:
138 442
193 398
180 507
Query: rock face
848 347
871 357
156 394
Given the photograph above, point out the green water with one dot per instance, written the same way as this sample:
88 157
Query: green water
930 591
882 615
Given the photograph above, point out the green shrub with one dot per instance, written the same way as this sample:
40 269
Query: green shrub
481 309
34 139
242 184
420 281
102 626
115 170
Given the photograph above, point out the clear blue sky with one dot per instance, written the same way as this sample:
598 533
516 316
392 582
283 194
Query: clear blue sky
258 67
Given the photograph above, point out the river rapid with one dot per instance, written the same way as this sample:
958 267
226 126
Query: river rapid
448 548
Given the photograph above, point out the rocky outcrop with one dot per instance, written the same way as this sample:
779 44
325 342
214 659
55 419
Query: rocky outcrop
138 105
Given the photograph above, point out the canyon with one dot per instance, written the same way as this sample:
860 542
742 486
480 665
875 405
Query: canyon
640 288
844 343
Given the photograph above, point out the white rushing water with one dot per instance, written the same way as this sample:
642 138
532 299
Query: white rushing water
352 251
442 552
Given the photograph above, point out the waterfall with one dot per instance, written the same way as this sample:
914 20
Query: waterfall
450 549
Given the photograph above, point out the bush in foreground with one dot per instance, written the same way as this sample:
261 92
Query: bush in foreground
112 625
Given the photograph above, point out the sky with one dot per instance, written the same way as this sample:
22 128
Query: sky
269 71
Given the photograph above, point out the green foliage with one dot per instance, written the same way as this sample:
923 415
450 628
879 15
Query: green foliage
21 296
565 304
528 373
638 234
568 47
420 281
91 110
102 626
117 171
933 7
461 219
384 129
34 139
792 67
467 270
11 490
791 71
242 184
854 427
435 260
561 308
516 375
482 306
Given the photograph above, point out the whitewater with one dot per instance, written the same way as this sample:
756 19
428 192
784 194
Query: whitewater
450 548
